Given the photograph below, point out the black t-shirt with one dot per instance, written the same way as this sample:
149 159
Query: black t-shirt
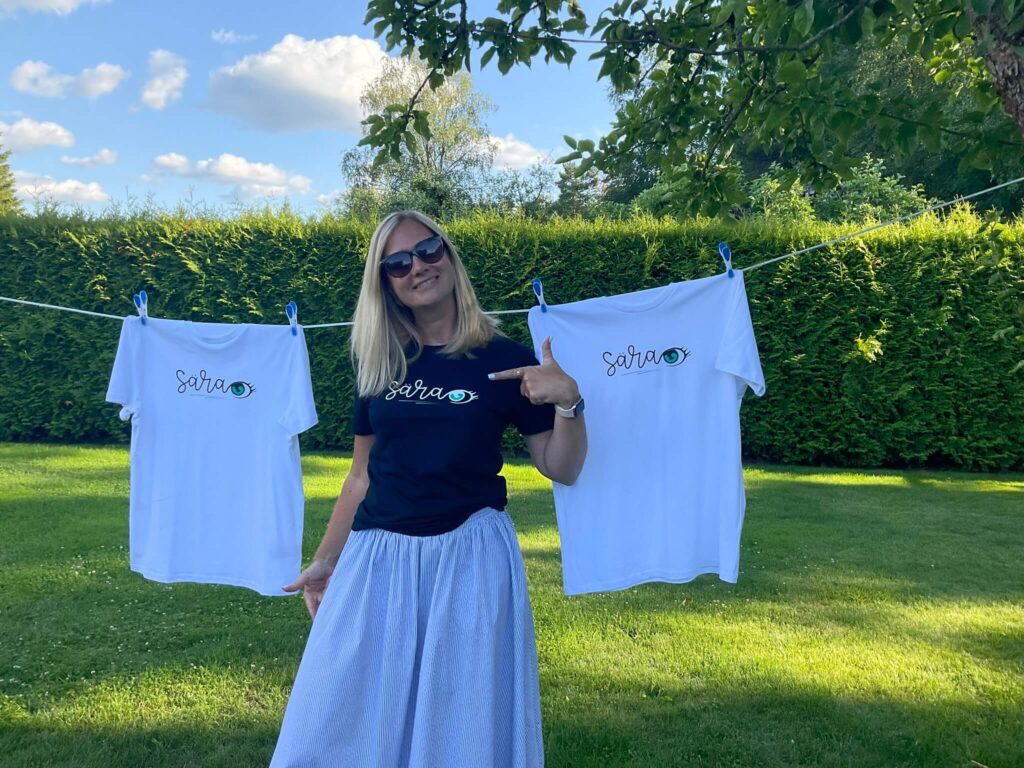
437 452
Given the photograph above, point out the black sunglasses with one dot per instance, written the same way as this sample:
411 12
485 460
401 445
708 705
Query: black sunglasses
399 264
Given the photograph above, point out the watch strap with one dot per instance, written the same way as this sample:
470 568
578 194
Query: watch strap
568 412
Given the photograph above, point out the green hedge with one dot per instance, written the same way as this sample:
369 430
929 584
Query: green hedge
877 351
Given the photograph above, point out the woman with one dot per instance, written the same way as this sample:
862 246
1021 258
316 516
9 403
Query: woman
422 652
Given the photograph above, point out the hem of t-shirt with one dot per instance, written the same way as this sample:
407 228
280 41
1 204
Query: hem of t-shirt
420 535
756 386
127 409
205 578
633 580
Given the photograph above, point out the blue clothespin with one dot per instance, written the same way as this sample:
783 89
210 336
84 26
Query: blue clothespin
142 304
292 310
726 254
539 292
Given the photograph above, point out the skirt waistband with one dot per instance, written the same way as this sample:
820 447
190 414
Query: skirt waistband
479 517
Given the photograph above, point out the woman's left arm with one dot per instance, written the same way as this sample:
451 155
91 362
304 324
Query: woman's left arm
566 447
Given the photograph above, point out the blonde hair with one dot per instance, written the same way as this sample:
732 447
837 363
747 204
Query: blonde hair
382 326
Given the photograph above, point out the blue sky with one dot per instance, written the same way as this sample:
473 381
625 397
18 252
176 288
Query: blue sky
107 100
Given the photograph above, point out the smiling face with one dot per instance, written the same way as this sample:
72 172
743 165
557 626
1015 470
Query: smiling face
426 284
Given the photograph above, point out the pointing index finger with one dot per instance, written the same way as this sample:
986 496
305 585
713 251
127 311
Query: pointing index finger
510 373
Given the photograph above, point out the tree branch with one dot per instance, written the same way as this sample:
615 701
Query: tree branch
429 6
650 38
729 124
962 134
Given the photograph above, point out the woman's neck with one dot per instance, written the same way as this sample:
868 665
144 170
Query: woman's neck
436 330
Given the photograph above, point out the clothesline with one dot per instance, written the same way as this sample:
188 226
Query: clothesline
512 311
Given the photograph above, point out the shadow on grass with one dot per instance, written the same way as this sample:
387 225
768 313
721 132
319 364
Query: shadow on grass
230 743
770 722
605 720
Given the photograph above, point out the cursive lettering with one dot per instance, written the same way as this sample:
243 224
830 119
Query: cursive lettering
633 358
421 392
200 382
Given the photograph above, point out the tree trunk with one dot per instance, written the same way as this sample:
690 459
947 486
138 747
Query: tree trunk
1004 64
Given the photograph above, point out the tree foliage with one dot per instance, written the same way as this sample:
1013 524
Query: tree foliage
434 172
9 203
447 169
726 75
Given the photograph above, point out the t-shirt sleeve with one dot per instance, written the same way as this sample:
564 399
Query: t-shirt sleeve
361 416
123 387
737 353
528 418
300 408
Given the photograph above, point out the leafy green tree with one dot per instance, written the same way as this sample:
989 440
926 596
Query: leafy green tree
899 77
9 203
577 192
631 177
437 172
870 195
769 199
726 74
432 193
450 170
526 193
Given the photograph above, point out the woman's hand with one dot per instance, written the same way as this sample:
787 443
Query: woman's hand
313 583
544 383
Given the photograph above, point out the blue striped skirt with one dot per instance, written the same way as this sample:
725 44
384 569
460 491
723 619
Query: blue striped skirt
422 655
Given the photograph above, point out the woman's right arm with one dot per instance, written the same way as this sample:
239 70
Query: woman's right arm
353 490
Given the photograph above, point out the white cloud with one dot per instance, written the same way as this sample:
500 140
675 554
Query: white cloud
300 85
26 135
37 78
172 162
168 78
31 186
103 157
329 198
59 7
251 180
515 153
227 37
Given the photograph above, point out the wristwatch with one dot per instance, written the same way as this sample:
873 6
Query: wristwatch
570 413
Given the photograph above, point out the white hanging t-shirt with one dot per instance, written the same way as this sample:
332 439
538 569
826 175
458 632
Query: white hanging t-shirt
215 491
663 372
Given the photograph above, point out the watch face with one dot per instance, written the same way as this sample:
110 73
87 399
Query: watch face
579 407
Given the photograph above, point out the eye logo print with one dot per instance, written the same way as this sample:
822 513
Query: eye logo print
462 396
639 359
241 389
674 355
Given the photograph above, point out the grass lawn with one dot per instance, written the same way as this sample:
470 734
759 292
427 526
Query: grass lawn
878 621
